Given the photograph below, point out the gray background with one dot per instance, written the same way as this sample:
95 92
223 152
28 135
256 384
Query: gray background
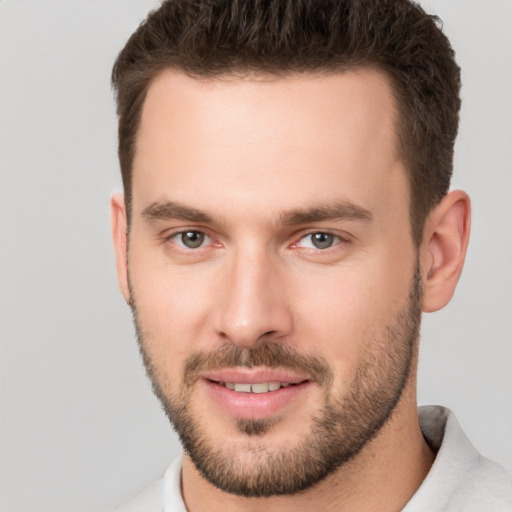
79 427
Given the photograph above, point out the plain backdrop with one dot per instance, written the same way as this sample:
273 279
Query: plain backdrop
79 427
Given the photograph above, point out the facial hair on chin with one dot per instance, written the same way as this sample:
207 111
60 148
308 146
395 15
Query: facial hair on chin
340 429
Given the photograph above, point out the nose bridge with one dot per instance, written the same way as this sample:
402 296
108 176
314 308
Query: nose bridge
254 302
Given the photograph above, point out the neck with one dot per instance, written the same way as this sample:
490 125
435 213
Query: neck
382 476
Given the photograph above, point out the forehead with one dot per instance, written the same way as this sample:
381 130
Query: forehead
307 135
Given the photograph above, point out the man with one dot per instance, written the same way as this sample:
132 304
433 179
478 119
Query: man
285 221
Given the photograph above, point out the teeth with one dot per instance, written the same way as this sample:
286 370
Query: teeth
244 388
262 387
259 388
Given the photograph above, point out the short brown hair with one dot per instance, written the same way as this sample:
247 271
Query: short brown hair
215 38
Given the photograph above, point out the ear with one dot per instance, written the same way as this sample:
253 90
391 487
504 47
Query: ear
445 241
120 237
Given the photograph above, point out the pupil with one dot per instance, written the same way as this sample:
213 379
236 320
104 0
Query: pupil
192 239
322 240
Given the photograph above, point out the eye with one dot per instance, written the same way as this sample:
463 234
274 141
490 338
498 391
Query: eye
190 239
319 240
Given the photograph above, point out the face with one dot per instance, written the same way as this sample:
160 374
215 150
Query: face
272 272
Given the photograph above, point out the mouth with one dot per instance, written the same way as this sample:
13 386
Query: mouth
259 387
249 393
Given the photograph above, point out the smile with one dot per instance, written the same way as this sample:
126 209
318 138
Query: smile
261 387
255 393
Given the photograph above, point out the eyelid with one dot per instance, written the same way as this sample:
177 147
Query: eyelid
169 235
341 236
212 240
170 232
336 240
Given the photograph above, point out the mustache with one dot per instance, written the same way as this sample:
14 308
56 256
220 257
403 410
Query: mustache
269 354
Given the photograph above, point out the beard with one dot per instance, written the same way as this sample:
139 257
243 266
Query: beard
344 424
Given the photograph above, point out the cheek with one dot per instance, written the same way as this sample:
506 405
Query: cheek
344 316
335 322
172 310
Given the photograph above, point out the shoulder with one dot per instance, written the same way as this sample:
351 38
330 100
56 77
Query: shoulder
460 479
488 486
149 500
164 495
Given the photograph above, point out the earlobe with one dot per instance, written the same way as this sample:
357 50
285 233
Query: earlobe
119 236
443 250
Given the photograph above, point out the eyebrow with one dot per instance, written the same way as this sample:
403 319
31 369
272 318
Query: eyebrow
344 210
171 210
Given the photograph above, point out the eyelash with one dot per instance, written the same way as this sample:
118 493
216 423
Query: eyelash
338 239
182 247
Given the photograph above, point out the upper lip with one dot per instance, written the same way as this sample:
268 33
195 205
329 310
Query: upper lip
254 375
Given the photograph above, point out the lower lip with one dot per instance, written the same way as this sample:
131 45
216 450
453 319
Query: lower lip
254 405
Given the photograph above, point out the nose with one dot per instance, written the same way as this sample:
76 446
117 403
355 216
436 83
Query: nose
253 303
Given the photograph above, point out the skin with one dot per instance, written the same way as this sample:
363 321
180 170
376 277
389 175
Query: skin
244 154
